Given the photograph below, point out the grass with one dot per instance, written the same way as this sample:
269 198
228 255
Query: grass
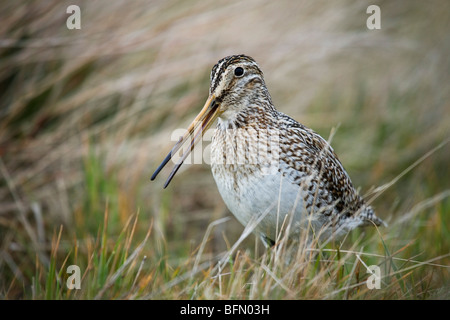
144 260
85 116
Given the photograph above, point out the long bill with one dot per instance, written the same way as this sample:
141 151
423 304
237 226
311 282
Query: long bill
195 131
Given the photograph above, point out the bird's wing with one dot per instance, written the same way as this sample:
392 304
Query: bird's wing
308 154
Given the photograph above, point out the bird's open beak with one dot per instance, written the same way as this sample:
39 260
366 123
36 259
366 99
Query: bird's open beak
198 127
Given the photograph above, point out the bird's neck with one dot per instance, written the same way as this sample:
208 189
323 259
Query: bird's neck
247 108
251 115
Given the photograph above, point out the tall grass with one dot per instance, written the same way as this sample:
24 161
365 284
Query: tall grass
86 115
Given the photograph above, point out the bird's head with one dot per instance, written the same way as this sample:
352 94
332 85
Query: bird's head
237 84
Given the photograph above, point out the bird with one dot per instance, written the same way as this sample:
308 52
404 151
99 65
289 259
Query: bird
272 172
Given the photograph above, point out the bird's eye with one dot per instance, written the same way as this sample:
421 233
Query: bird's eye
238 72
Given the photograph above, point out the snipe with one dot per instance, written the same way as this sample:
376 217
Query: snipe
270 169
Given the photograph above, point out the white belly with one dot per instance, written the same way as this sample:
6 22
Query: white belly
269 198
254 190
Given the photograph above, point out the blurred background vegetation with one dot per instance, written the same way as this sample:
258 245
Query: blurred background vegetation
87 115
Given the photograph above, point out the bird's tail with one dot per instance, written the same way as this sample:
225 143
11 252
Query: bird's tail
369 218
